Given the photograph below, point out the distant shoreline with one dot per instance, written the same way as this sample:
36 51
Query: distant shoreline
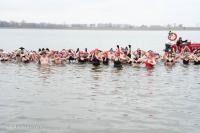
104 29
99 26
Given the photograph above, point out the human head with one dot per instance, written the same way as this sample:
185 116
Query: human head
43 54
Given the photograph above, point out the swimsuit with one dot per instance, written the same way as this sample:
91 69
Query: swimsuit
197 62
117 63
105 61
95 61
148 65
81 60
186 62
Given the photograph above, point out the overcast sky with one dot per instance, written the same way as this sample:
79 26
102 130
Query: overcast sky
136 12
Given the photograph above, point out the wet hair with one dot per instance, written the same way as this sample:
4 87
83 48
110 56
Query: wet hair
47 49
43 49
39 49
117 46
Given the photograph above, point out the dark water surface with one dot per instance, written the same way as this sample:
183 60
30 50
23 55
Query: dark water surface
81 98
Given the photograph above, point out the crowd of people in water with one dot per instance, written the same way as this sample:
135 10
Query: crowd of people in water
118 57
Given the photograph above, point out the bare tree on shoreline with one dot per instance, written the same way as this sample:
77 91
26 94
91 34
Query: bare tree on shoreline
99 26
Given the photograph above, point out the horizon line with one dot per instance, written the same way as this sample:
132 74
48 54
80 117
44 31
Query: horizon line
64 23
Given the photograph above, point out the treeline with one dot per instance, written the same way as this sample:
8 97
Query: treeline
100 26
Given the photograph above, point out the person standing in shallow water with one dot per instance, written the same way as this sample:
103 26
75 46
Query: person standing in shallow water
57 59
137 57
197 59
150 61
185 58
105 58
96 58
117 60
170 59
44 58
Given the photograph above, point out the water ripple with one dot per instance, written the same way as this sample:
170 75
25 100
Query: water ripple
83 98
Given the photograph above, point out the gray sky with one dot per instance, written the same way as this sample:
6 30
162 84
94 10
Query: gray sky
136 12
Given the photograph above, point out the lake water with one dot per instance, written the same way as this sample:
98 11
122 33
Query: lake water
11 39
82 98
